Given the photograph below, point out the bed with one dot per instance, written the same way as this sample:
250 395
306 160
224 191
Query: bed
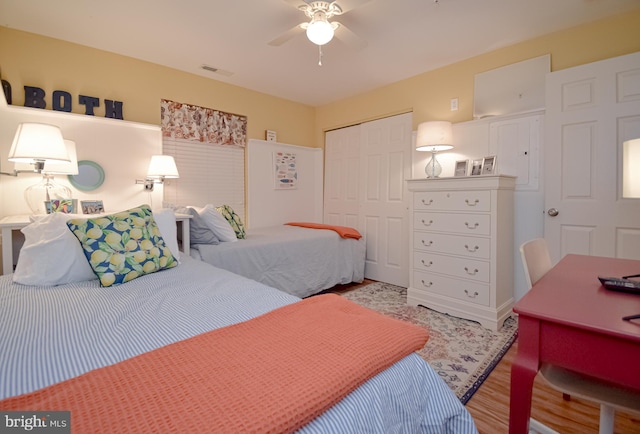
56 336
298 260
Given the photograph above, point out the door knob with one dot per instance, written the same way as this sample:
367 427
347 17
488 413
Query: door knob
553 212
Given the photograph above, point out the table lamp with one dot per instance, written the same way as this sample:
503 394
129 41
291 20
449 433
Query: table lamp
434 136
37 144
47 189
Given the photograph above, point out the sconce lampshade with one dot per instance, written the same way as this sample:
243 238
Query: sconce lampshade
320 31
162 166
631 169
35 142
434 136
63 167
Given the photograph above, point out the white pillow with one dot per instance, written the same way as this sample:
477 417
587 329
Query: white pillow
166 221
198 230
51 254
217 223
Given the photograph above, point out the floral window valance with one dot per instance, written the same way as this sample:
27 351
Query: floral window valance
190 122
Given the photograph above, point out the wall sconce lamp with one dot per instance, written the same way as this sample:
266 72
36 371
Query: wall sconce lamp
160 167
631 169
35 144
434 136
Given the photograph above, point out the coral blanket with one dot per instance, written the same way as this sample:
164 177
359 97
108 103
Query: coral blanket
343 231
274 373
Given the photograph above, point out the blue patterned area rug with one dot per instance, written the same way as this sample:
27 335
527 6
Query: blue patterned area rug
463 352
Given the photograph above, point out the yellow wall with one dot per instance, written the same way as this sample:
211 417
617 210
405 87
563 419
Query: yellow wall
428 95
28 59
51 64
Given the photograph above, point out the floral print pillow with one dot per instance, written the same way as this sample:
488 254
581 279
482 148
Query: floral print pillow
123 246
234 220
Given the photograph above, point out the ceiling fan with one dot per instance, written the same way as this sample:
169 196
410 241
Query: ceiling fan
319 29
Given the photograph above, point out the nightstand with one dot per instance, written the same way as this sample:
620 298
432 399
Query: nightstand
183 220
9 224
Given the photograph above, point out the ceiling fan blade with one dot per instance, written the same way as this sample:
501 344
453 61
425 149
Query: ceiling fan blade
295 3
347 5
349 38
289 34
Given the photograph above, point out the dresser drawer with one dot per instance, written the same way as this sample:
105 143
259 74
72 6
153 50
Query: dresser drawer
452 201
473 292
473 247
457 267
471 224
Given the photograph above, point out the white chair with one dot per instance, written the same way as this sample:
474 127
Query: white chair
536 262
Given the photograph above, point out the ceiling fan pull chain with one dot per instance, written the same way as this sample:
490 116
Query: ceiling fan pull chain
319 55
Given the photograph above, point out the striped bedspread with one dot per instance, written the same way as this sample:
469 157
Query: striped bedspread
53 334
235 376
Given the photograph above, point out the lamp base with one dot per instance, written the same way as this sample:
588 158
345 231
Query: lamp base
36 195
433 169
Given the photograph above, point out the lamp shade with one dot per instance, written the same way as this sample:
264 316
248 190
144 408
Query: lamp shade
434 136
631 169
162 166
319 30
38 142
63 167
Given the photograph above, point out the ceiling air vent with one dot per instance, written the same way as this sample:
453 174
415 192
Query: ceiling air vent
217 70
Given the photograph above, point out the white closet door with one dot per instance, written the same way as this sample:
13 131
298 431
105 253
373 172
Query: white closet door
365 171
591 110
341 177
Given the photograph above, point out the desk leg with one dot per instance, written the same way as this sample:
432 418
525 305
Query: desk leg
7 251
523 373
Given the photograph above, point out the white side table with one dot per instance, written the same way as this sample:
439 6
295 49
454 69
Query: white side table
11 223
8 224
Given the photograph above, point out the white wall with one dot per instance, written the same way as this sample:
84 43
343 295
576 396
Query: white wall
121 148
268 206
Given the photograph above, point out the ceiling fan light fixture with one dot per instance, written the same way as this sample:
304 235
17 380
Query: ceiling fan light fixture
319 30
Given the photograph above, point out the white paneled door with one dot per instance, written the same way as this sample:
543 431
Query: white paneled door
591 111
365 171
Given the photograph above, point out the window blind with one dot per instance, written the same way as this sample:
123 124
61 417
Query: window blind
208 174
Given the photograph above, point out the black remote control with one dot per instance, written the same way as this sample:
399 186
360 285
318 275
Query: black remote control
622 285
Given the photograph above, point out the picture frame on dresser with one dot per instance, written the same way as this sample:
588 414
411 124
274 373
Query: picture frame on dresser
476 167
489 165
462 167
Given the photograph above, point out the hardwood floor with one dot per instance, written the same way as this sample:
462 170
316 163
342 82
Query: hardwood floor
490 406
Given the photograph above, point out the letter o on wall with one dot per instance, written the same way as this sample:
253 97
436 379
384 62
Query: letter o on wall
61 101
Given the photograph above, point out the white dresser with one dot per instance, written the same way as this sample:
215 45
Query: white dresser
462 247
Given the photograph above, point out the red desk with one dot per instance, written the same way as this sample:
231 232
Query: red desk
570 320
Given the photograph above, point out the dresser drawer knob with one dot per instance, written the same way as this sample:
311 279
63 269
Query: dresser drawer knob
471 249
429 244
429 264
471 226
475 202
427 224
474 295
471 273
424 202
426 284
